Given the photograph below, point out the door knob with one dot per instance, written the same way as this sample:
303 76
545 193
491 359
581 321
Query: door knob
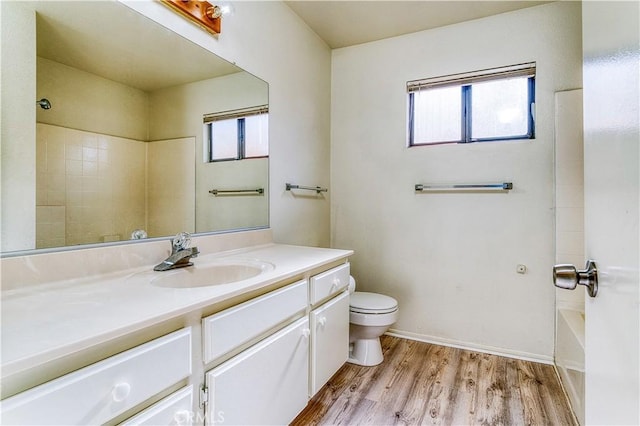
568 277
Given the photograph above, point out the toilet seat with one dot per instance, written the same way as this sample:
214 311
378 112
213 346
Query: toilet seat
373 320
363 302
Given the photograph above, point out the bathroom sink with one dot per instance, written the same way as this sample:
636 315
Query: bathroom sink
220 272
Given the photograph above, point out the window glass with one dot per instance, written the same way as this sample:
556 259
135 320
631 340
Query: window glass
256 131
499 108
494 104
437 115
224 139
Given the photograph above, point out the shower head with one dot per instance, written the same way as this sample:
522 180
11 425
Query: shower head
44 103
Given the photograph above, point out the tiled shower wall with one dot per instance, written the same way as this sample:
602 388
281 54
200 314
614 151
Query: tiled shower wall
569 166
90 187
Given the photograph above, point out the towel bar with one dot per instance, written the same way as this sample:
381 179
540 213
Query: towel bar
290 186
216 192
504 186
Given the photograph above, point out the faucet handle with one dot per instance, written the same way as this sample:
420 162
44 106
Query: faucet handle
181 241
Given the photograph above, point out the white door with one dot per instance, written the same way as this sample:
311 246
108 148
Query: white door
611 74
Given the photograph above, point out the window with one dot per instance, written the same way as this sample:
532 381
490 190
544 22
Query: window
238 134
488 105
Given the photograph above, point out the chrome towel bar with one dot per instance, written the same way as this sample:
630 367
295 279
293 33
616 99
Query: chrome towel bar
504 186
216 192
290 186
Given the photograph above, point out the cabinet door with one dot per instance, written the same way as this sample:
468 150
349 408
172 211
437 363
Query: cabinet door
174 410
329 340
266 384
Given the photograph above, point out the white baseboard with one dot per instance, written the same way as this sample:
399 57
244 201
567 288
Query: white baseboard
525 356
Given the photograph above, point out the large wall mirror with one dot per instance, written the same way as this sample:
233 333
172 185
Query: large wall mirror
123 131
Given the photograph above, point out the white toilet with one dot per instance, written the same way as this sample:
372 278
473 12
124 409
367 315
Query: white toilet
370 315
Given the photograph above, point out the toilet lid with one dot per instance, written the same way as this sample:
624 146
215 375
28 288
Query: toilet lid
372 303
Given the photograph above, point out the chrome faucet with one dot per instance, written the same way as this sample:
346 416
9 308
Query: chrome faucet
181 253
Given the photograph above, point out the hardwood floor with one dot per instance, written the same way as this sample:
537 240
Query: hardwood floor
420 383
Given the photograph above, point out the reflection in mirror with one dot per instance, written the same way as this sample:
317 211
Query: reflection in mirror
122 152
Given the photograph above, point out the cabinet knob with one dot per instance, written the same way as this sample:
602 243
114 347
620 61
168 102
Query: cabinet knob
120 392
322 321
306 332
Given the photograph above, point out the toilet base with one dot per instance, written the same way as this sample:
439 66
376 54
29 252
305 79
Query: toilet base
367 352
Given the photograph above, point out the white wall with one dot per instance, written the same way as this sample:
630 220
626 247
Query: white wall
18 124
450 259
177 112
84 101
270 41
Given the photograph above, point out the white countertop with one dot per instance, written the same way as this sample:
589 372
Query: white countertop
45 322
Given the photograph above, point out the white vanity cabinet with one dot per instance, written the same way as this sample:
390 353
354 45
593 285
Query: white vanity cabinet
329 324
245 353
102 391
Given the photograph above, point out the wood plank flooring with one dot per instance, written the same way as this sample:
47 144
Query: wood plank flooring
421 383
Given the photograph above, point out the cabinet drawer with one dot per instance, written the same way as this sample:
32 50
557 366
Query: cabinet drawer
329 340
176 409
231 328
265 385
102 391
328 283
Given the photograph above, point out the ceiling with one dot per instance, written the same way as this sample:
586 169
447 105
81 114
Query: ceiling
108 39
349 22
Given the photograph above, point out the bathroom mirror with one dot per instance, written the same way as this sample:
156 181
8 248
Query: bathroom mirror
122 149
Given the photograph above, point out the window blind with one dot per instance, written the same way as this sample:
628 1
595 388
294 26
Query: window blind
520 70
236 113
